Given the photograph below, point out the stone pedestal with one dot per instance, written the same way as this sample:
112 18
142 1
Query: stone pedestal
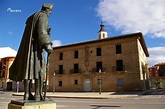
31 104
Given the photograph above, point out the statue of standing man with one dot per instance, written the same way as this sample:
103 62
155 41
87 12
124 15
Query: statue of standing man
29 63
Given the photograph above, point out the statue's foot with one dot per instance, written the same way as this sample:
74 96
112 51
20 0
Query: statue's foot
26 96
31 97
42 97
37 98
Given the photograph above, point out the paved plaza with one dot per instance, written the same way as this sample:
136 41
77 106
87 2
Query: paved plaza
151 99
103 95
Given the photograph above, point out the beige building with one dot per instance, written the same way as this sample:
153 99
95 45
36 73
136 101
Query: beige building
5 63
7 56
115 63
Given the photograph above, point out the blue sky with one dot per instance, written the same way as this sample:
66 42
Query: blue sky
79 20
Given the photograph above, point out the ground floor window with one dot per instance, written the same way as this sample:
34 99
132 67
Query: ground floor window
75 82
99 81
120 82
60 83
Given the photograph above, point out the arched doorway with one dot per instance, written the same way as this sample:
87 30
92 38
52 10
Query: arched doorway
87 85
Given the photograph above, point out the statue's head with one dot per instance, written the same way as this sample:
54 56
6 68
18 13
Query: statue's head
47 8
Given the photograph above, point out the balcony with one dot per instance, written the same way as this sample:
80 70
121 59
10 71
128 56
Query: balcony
119 68
59 71
95 69
74 71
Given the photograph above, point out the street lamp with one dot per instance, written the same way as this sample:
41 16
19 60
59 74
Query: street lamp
17 86
54 82
100 81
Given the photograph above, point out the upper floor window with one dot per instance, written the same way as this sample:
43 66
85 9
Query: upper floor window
98 66
61 69
118 49
98 51
61 56
75 54
76 68
119 65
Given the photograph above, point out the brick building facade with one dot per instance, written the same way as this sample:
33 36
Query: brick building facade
157 71
157 75
5 83
5 64
7 56
118 63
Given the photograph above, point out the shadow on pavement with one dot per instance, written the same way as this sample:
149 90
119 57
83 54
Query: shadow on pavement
146 92
155 92
100 106
128 93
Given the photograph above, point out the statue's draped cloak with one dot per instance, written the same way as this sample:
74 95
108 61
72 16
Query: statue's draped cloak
29 61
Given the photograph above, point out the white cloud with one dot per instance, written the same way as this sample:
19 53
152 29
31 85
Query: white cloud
147 16
56 43
157 55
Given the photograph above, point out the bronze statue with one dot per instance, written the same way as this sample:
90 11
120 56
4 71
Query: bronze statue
29 63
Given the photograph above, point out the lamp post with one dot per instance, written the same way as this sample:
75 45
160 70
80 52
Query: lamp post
100 81
17 86
54 82
143 73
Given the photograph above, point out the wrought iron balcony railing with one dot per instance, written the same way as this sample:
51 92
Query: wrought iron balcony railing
59 71
95 69
73 71
119 68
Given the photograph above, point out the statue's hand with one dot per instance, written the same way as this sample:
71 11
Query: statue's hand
49 49
49 29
